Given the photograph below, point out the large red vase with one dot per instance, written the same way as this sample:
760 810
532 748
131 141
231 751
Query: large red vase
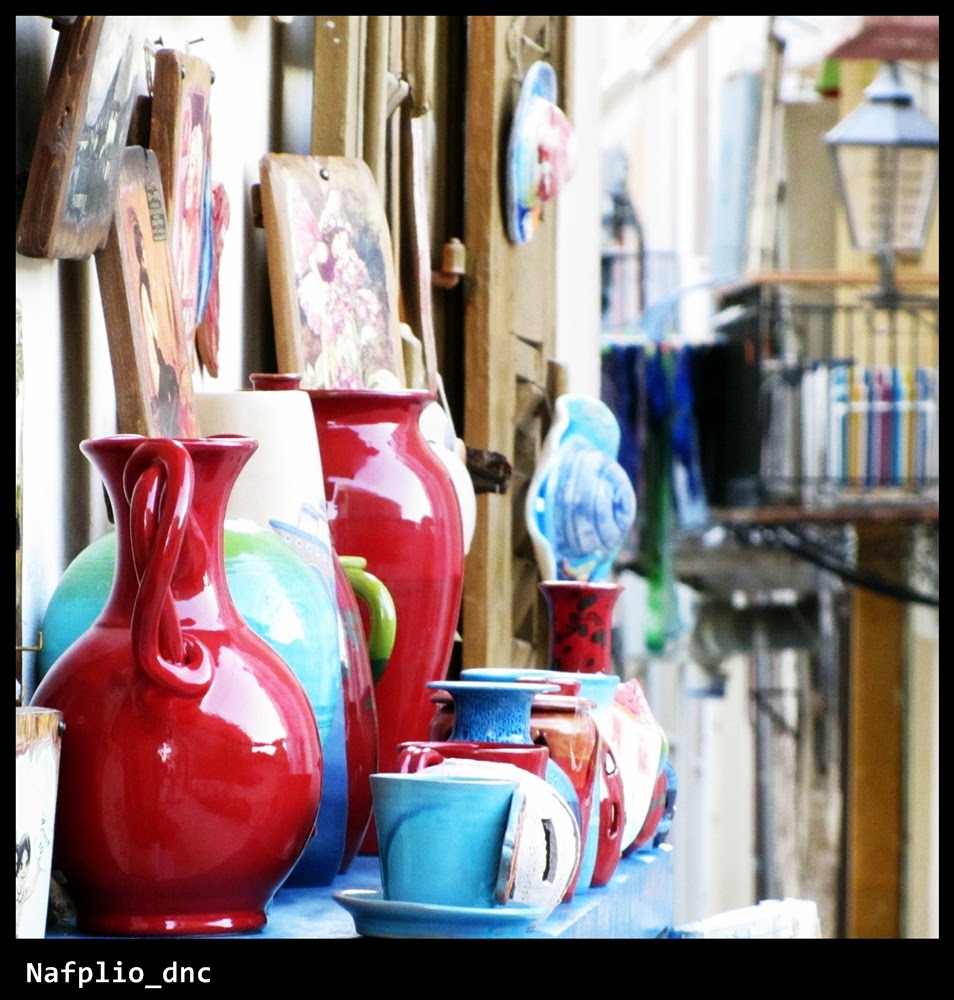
393 501
191 780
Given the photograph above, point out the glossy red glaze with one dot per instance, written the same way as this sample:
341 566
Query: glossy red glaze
395 504
581 625
270 380
612 818
564 725
415 756
361 719
191 778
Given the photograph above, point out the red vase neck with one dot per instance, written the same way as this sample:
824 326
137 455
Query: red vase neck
369 406
268 381
199 586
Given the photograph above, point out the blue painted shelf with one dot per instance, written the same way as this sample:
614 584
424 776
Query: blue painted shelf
637 903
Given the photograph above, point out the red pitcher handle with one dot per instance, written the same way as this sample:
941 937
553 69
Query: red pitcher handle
142 542
412 759
158 481
616 800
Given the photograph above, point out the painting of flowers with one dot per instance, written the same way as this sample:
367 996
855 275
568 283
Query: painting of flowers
331 271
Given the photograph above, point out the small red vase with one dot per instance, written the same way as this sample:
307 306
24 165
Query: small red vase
581 625
192 775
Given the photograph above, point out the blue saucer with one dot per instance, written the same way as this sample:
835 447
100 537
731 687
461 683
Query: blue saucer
375 916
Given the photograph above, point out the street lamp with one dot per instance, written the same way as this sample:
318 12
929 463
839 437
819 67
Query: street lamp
885 159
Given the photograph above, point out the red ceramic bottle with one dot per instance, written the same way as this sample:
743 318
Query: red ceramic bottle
581 624
192 776
394 503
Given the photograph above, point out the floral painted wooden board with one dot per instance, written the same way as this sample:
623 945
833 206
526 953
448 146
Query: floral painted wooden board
580 504
151 367
331 272
68 202
179 134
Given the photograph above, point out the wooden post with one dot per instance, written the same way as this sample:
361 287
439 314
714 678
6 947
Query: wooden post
509 336
875 752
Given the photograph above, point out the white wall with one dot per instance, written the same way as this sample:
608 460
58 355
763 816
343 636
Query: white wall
68 393
578 220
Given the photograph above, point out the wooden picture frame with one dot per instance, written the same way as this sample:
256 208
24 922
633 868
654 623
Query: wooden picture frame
68 202
331 273
179 134
151 367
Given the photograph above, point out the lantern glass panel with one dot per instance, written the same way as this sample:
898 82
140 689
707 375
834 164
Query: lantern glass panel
888 192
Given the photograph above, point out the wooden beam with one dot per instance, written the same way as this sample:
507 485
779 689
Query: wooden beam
896 513
509 338
904 279
374 142
488 406
337 106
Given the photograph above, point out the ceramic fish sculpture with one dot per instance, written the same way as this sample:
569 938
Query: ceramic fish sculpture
581 504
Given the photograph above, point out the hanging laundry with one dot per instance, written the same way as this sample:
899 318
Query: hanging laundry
622 376
662 614
688 490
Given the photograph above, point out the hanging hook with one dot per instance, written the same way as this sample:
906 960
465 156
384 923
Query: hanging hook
514 46
149 54
33 649
518 40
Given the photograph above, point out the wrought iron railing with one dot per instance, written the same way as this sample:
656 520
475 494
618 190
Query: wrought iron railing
849 398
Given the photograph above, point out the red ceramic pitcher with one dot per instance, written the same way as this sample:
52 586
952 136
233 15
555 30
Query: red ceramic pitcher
191 780
393 502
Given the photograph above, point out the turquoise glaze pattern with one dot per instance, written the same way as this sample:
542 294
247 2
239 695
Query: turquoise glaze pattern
600 688
491 711
581 504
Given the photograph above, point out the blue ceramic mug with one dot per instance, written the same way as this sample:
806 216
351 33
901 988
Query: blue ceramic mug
447 840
